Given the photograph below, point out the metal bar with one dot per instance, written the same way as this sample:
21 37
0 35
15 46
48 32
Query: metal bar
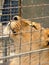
19 10
5 49
25 6
25 53
7 37
19 7
4 37
28 18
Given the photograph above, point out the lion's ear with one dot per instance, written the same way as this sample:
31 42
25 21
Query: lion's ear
21 20
16 18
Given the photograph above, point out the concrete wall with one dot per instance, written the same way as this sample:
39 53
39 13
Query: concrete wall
37 11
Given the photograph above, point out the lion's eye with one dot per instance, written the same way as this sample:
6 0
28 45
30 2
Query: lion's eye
48 43
34 26
48 35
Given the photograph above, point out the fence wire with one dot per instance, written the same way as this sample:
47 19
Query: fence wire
8 50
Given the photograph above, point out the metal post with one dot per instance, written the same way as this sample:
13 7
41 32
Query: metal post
4 40
5 49
19 7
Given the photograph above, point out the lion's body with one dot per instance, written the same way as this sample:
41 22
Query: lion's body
29 39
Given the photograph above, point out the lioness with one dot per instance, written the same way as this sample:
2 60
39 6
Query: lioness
28 36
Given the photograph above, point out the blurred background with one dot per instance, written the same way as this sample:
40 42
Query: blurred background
34 10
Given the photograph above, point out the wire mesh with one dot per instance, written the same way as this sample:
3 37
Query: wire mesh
11 52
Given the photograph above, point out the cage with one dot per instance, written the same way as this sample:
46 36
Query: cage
27 50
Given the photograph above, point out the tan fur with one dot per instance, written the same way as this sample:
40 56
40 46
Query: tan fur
37 39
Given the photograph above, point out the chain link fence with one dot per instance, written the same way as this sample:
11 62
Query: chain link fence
12 53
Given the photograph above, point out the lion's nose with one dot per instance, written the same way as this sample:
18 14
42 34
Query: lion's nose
14 31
